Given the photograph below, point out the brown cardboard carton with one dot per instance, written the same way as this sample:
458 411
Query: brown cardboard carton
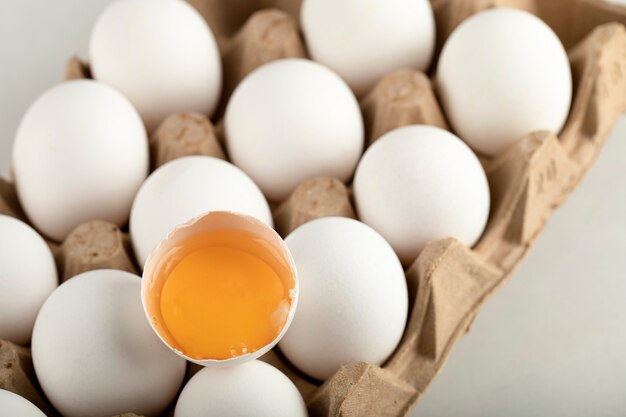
449 282
18 375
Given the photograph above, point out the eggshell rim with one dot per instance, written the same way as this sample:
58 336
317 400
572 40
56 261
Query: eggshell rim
237 360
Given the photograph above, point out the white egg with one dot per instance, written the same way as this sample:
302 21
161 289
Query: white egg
95 353
362 40
186 188
27 277
353 297
12 405
291 120
251 389
80 154
503 73
420 183
159 53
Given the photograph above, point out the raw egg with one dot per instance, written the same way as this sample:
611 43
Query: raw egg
221 289
95 355
420 183
291 120
13 405
160 54
362 40
353 302
186 188
27 277
252 389
80 153
502 74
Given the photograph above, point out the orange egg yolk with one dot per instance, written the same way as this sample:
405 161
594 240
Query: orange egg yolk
223 294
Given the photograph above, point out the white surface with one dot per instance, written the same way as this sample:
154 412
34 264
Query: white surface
550 343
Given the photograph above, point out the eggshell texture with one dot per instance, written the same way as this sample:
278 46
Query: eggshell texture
252 389
420 183
95 353
353 297
160 54
503 73
80 154
27 276
184 189
291 120
362 40
13 405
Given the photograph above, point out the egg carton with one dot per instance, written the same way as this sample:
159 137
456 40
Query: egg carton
449 282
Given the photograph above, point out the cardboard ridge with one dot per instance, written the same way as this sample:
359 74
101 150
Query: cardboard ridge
448 283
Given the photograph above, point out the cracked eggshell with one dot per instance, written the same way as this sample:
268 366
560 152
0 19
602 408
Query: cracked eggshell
208 222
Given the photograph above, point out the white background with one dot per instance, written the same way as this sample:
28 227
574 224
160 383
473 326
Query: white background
551 343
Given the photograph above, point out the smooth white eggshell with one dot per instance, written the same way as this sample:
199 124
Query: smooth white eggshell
362 40
27 277
503 73
291 120
353 300
185 188
252 389
80 154
420 183
160 54
12 405
95 353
